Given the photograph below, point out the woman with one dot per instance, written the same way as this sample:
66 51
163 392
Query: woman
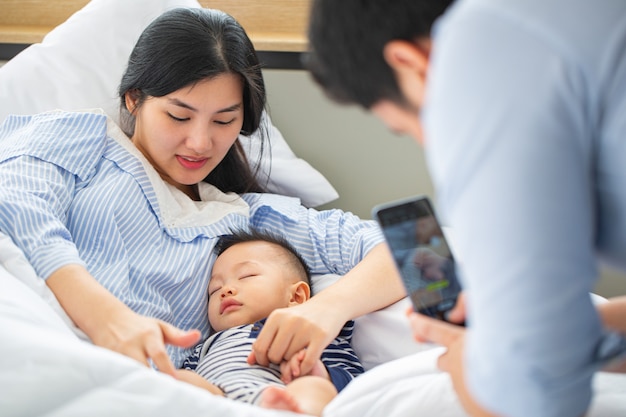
119 225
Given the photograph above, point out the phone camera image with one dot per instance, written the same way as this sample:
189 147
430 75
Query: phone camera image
421 254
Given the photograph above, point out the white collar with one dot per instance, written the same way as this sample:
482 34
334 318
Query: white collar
177 209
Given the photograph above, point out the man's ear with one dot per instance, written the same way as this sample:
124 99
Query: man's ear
404 55
300 292
409 61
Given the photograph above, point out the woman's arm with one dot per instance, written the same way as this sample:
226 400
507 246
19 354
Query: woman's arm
34 199
111 324
371 285
44 160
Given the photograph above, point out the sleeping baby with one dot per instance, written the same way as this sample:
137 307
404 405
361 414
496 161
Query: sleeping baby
254 274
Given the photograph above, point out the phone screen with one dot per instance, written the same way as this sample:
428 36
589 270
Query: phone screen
421 253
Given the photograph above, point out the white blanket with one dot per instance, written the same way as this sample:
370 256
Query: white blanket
47 370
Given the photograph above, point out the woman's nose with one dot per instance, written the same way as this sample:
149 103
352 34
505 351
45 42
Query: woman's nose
199 140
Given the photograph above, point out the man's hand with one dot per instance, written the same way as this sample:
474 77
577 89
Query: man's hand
451 336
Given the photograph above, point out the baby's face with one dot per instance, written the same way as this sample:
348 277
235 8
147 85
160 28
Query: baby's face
249 280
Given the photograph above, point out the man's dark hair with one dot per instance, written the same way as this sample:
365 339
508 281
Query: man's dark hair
346 42
256 235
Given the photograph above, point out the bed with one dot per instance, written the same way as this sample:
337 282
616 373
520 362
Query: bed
47 368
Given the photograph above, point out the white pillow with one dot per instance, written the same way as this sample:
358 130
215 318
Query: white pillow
79 65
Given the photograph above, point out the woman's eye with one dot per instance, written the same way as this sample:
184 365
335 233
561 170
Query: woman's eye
178 119
224 122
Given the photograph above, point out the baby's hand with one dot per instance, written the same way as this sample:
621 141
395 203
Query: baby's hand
291 369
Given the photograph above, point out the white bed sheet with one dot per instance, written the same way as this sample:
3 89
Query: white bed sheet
47 370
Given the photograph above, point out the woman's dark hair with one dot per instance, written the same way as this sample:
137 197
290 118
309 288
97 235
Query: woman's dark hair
184 46
346 42
256 235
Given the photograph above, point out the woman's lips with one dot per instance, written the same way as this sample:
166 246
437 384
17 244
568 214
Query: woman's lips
191 163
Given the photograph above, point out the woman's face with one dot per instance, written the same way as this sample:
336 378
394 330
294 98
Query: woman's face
187 133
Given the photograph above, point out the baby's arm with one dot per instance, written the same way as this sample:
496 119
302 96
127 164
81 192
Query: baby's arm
291 369
193 378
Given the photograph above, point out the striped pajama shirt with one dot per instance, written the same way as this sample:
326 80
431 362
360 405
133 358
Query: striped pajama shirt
221 360
75 190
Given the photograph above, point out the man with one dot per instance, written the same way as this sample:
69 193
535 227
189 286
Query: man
524 124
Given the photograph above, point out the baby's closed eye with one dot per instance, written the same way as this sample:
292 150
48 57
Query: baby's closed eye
213 290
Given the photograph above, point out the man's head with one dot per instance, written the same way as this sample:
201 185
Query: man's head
375 54
255 273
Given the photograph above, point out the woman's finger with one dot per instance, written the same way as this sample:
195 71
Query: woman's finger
282 336
280 347
298 338
155 350
289 331
139 355
174 336
261 345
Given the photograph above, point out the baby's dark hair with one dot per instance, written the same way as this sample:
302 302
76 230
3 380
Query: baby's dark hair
256 235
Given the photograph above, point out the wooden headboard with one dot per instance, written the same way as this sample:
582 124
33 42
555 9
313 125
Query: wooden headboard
273 25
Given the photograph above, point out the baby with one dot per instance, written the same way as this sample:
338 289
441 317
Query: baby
255 273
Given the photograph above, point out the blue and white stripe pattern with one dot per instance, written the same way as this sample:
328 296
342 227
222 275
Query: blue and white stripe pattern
221 360
72 194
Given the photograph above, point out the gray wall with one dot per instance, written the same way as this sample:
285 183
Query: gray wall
366 163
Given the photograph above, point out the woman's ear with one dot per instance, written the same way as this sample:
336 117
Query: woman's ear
300 292
130 99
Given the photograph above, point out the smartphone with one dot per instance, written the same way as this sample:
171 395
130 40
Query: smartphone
421 253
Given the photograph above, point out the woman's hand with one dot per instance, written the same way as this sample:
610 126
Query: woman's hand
109 323
287 331
371 285
143 338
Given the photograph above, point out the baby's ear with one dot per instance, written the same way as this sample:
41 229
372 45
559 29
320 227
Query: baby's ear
300 292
